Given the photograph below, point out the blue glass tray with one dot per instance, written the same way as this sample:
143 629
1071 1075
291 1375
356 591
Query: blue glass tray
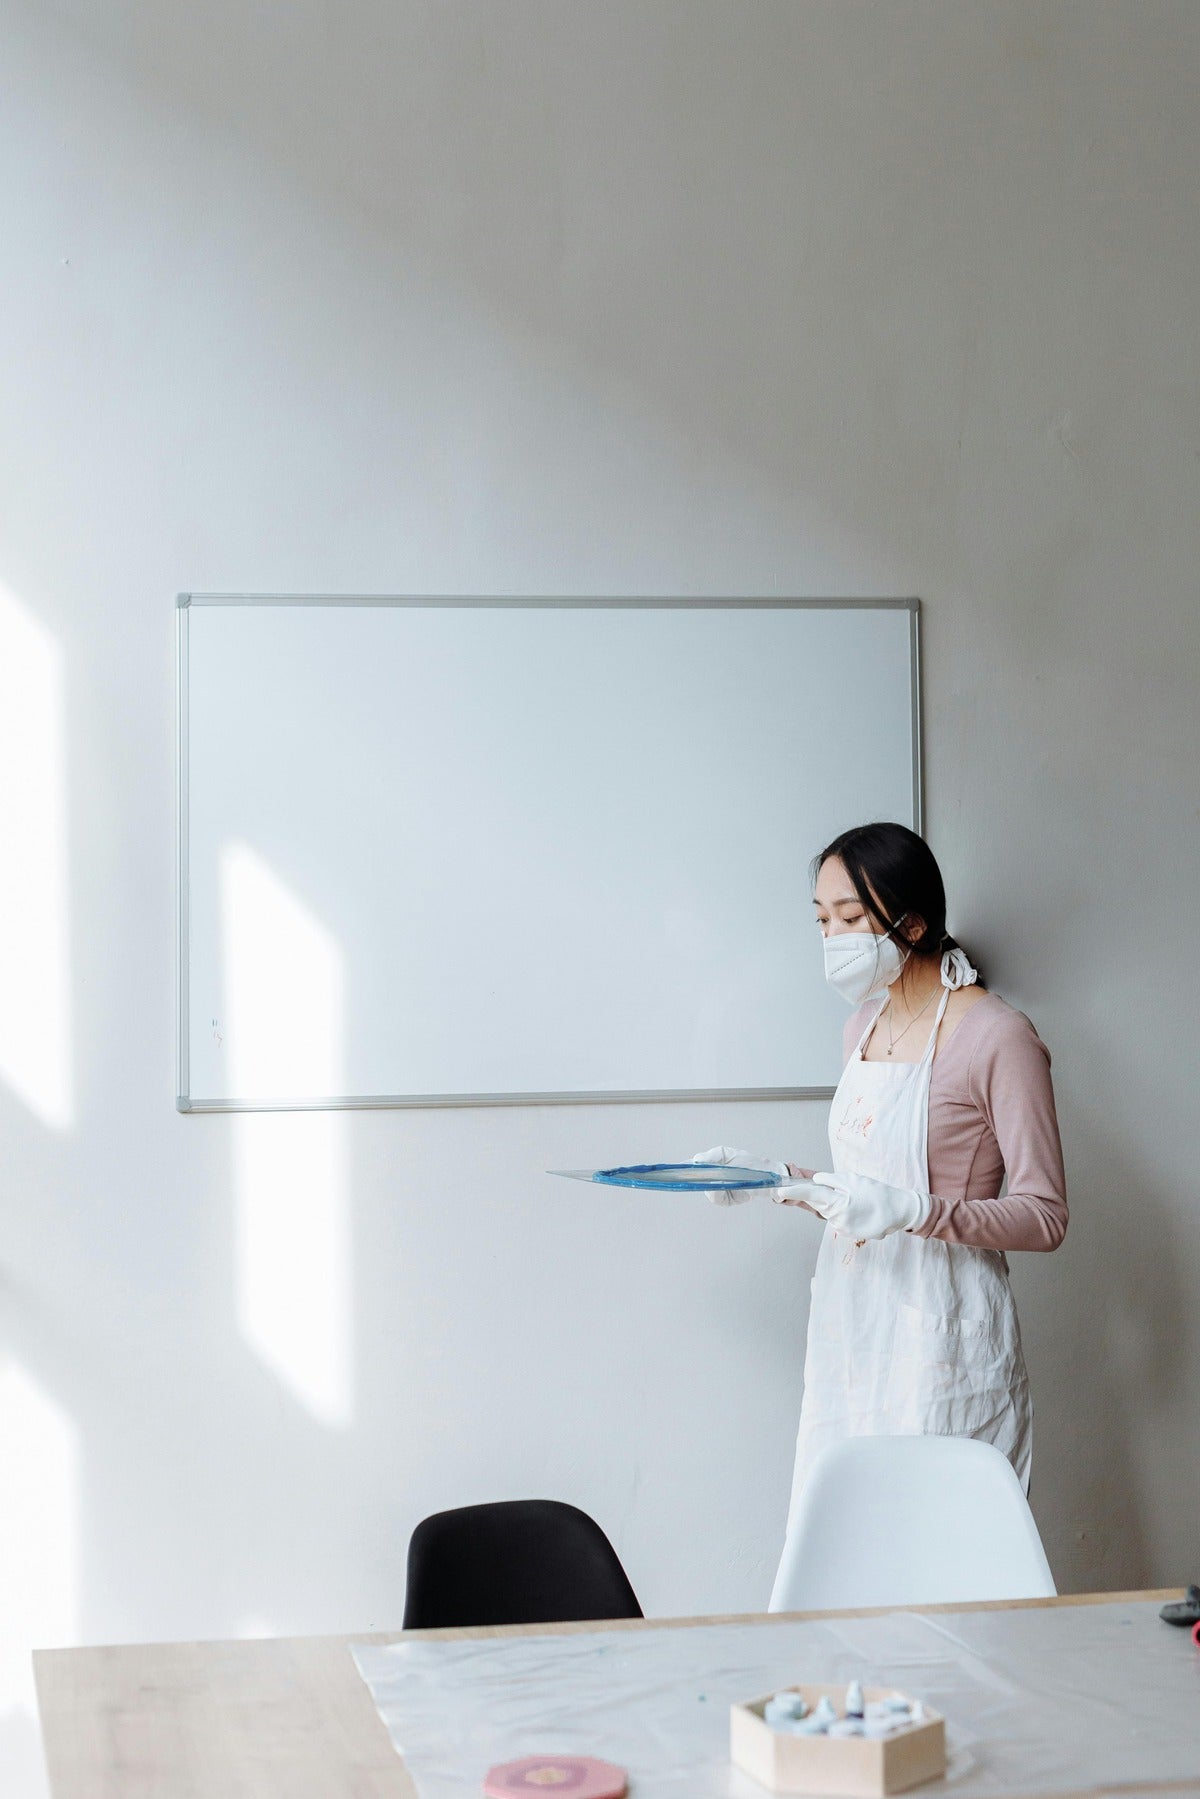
673 1177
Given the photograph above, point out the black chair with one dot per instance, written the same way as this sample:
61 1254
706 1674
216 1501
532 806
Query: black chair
523 1561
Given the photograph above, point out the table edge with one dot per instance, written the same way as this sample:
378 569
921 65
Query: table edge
463 1633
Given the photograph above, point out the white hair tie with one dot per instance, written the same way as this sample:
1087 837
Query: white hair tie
957 970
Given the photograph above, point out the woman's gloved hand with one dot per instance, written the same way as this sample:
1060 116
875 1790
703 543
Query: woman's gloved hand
725 1157
863 1207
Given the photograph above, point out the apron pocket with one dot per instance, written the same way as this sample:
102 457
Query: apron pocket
949 1376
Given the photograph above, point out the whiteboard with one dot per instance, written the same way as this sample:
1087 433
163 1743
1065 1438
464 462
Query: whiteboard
440 851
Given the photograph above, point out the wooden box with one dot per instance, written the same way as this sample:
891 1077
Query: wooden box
866 1767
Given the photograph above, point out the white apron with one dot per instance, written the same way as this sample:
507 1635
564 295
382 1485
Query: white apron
907 1336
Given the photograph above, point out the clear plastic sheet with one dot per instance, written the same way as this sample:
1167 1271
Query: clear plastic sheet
1051 1700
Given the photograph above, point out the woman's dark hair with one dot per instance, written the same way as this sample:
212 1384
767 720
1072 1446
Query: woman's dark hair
895 875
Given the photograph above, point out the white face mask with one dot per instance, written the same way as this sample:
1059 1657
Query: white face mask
860 963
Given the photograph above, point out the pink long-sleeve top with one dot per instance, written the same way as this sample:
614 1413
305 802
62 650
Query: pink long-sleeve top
991 1112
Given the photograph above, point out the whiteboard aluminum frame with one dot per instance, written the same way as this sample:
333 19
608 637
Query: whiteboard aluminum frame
184 602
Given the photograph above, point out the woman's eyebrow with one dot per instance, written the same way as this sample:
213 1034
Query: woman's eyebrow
849 899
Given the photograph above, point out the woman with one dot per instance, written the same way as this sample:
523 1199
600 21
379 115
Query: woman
945 1091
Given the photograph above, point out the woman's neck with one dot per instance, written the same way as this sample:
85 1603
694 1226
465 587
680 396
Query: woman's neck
920 976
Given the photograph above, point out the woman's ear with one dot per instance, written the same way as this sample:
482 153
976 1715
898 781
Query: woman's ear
911 929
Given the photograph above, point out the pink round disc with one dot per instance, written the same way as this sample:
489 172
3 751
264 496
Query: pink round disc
580 1776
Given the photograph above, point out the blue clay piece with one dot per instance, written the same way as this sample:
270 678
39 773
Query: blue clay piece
894 1710
813 1726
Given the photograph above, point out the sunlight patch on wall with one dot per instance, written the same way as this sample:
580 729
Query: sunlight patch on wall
35 1024
284 1019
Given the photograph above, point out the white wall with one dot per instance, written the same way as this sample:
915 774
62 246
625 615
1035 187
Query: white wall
816 299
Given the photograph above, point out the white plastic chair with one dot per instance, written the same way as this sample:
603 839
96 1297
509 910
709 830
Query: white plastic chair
898 1521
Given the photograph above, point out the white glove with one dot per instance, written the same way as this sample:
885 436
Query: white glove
862 1207
725 1157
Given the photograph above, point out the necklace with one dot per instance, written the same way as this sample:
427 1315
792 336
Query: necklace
893 1041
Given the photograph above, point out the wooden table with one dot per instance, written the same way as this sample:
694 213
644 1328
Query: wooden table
283 1716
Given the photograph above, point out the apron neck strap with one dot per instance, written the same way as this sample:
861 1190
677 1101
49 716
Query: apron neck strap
937 1025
